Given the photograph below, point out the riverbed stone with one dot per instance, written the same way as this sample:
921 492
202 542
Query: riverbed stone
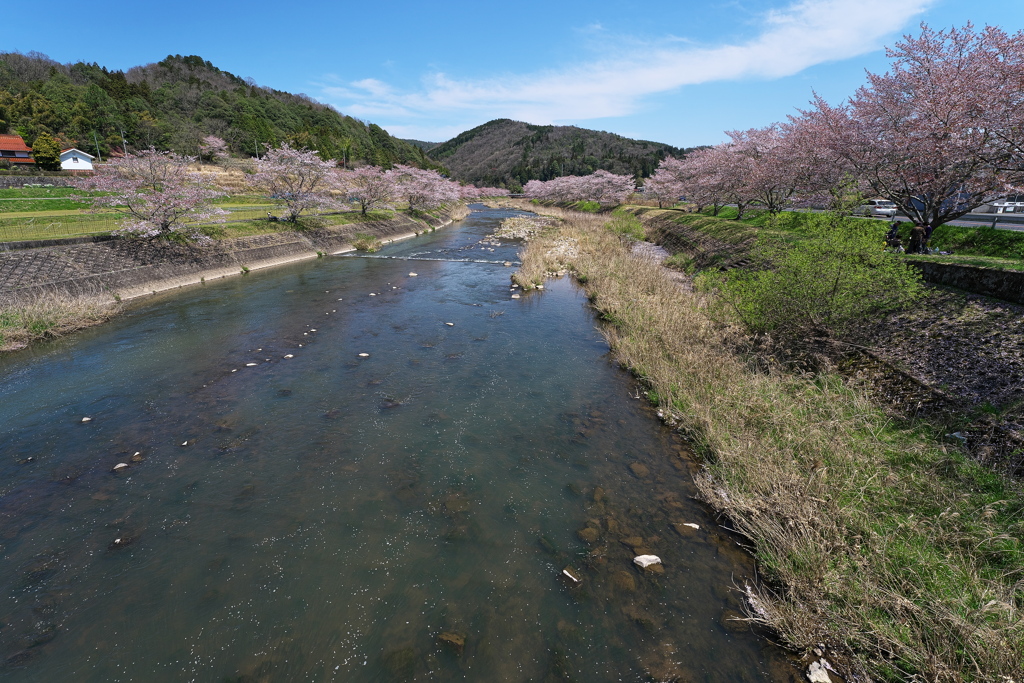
573 576
452 640
645 561
589 534
684 529
598 494
817 673
623 582
639 470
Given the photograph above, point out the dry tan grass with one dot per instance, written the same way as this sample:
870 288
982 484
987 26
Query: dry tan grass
48 315
897 554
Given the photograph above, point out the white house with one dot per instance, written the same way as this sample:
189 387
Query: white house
75 160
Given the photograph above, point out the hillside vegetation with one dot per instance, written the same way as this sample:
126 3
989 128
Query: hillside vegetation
508 153
173 104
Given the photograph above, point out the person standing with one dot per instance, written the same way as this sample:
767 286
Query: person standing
916 245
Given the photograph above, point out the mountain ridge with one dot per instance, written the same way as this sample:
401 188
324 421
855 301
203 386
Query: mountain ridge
172 104
508 153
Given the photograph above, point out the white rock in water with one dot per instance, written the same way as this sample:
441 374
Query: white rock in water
646 560
86 419
540 286
570 575
372 294
817 673
184 443
691 525
412 274
312 329
121 466
235 370
249 365
515 296
364 355
450 324
288 355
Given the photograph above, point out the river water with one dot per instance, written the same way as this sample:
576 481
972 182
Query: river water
326 516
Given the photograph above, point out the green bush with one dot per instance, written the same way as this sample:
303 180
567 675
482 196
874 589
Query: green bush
586 207
823 284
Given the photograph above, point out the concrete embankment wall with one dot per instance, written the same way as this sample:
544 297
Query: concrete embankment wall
126 269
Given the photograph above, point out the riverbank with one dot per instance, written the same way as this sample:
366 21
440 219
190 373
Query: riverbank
51 291
883 550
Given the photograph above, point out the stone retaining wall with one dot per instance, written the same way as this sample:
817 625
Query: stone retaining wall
8 181
1000 284
125 269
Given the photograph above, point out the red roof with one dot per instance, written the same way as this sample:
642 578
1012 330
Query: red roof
13 143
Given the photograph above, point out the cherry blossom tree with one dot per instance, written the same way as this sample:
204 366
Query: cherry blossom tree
372 187
935 134
758 157
425 189
601 186
157 194
299 177
663 186
213 148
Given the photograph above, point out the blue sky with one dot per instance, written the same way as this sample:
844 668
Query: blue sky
678 72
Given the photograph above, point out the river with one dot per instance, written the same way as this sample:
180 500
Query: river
293 510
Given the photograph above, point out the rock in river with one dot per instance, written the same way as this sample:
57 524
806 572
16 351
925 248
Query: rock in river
456 641
645 561
589 534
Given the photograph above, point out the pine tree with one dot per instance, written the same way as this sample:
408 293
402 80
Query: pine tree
46 152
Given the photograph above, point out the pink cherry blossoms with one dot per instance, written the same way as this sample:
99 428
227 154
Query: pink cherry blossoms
425 189
157 194
299 178
939 134
600 186
370 186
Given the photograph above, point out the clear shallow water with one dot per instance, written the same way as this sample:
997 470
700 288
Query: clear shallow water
332 515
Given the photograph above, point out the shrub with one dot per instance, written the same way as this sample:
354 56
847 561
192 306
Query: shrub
822 284
366 242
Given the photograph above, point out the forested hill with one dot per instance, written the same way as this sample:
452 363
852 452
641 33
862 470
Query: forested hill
173 104
509 153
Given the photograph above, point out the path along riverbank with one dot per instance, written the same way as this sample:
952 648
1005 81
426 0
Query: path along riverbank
58 289
884 551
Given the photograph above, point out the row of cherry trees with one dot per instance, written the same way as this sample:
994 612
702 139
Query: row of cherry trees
160 196
939 134
601 186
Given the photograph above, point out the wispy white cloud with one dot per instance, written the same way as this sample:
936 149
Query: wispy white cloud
799 36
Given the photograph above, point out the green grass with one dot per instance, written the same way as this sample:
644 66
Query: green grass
40 199
978 261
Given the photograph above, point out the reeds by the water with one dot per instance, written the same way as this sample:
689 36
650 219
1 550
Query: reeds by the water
47 315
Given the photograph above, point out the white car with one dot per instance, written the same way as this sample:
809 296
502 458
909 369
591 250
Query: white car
877 207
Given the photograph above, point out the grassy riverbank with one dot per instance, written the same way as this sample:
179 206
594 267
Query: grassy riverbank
49 315
875 538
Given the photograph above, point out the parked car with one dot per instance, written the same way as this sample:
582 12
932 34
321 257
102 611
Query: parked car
877 207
